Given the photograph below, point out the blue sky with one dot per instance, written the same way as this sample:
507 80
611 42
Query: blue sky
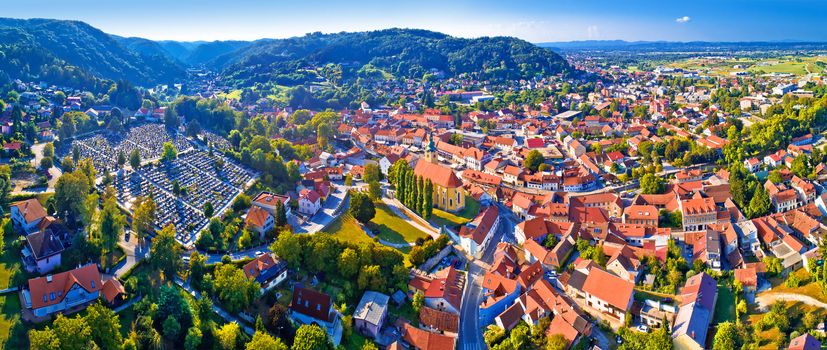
533 20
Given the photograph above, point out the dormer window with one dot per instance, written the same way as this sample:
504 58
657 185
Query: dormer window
93 284
52 296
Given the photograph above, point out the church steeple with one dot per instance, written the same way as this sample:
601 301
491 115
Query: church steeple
430 152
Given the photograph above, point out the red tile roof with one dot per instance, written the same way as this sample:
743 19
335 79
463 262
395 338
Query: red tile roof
609 288
424 340
438 174
50 290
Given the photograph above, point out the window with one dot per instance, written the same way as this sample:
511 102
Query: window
93 284
52 296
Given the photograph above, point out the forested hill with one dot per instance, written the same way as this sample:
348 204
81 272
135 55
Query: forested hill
399 52
76 54
73 51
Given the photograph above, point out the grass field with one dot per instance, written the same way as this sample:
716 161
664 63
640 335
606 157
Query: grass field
393 228
441 217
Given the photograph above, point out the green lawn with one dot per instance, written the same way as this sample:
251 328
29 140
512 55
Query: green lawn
393 228
346 229
12 330
441 217
725 306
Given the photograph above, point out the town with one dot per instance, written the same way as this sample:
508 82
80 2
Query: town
627 201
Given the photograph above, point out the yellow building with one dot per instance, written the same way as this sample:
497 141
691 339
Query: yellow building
448 192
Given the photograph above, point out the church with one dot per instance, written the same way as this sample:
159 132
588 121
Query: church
448 192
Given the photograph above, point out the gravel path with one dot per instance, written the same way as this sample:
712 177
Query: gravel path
766 299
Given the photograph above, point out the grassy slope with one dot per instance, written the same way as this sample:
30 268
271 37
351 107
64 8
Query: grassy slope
472 208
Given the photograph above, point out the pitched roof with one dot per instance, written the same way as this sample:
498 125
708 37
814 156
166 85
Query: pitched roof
448 285
310 195
804 342
44 244
425 340
441 320
51 289
438 174
112 288
312 303
31 209
256 216
609 288
478 228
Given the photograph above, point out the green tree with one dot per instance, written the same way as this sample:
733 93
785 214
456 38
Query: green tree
73 333
417 301
652 184
111 224
557 342
289 248
775 176
235 290
198 268
228 336
533 160
169 152
375 190
165 252
281 215
361 207
348 263
70 192
49 150
264 341
143 218
171 119
726 337
348 180
43 340
311 337
208 209
135 159
171 328
759 205
105 326
193 338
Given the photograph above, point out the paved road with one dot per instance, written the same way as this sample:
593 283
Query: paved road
766 299
133 254
470 332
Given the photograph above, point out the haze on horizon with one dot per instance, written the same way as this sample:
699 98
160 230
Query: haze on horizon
532 20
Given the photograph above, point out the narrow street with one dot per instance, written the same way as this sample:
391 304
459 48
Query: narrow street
470 332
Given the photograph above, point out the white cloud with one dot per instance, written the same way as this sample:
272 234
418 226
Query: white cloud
683 19
593 32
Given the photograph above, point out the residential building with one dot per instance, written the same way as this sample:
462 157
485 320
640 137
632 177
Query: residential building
475 236
309 307
62 292
371 313
698 298
608 293
27 214
267 269
309 202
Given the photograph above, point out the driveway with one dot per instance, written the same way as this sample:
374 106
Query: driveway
324 216
132 251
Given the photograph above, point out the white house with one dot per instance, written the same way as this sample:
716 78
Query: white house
309 202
